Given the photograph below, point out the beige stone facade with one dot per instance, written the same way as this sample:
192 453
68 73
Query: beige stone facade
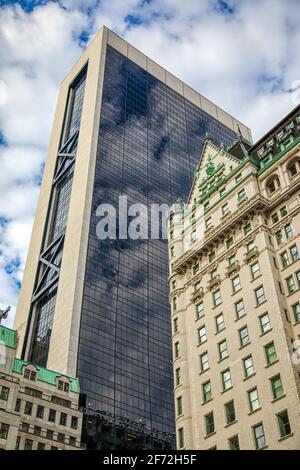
65 331
39 408
235 296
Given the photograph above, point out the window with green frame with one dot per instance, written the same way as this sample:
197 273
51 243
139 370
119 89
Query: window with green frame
178 376
260 295
290 284
209 423
241 195
180 438
236 284
234 443
254 403
206 391
239 308
217 297
284 423
264 322
202 334
247 229
277 388
284 259
179 406
279 237
259 436
176 350
175 325
226 379
230 412
255 270
195 268
204 365
248 366
220 323
199 310
288 231
244 336
229 242
296 311
270 352
274 218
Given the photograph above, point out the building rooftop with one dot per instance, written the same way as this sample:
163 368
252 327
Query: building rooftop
45 375
8 337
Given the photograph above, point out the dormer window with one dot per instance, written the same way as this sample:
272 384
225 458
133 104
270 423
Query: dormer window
64 386
270 143
280 135
273 185
30 374
261 151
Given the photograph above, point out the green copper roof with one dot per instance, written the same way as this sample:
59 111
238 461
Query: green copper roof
45 375
8 337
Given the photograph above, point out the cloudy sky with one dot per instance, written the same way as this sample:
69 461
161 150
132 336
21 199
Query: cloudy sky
242 54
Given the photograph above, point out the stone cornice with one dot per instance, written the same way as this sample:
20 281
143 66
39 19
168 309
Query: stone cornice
255 203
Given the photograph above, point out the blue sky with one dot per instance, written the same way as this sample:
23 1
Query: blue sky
242 54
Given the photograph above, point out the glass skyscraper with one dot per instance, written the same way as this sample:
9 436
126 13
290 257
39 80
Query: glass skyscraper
111 326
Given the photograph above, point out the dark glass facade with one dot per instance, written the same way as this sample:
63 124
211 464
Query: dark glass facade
43 307
149 144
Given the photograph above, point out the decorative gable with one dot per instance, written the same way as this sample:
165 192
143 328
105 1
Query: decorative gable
215 165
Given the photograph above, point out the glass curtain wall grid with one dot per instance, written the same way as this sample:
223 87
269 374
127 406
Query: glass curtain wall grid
43 301
149 143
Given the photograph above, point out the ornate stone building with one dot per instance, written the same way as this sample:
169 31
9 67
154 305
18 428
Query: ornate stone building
235 296
38 407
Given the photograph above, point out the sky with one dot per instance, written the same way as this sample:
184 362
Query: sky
242 54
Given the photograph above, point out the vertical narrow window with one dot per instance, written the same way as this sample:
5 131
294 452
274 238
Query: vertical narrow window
180 438
206 391
209 423
277 388
284 423
230 412
270 352
259 436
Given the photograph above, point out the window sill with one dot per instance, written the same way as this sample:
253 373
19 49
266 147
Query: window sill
285 437
209 435
244 345
262 303
207 401
278 398
223 359
236 292
229 388
242 316
216 306
265 332
200 318
201 344
220 331
294 292
263 448
230 424
296 323
271 363
255 278
254 411
249 376
290 264
203 371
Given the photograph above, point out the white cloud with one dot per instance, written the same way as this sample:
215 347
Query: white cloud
245 61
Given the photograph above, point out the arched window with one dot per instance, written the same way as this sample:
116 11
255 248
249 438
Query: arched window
294 168
273 184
